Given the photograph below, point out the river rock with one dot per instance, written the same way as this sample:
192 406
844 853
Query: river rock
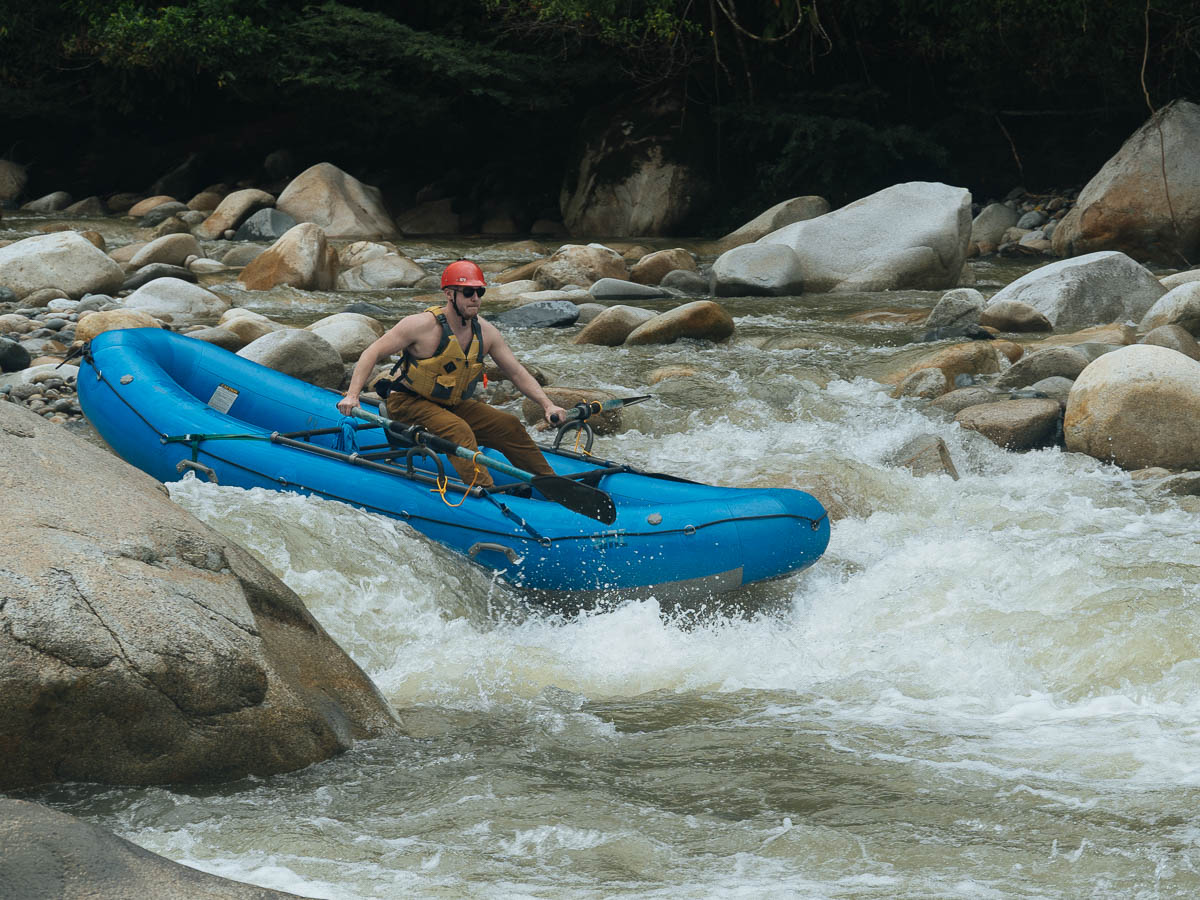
926 454
686 281
539 314
162 213
113 320
48 854
757 270
798 209
173 249
248 326
959 307
700 320
218 335
954 402
139 646
154 271
392 270
206 201
50 203
1013 315
87 208
1088 290
1178 306
1066 362
1056 387
1127 207
578 264
176 301
927 384
265 225
619 289
301 258
974 358
348 333
12 180
612 326
142 207
240 257
634 174
1171 282
1138 406
339 203
232 211
1014 424
1174 337
63 260
299 353
912 235
13 357
653 267
992 222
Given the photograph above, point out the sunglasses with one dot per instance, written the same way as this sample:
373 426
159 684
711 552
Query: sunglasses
471 291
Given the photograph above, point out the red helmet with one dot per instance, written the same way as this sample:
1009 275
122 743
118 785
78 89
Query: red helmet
463 272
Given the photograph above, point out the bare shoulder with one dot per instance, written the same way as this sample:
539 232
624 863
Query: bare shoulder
491 334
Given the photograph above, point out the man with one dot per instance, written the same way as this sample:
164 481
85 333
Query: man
442 351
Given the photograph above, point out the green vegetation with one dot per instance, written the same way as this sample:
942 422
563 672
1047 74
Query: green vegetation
484 98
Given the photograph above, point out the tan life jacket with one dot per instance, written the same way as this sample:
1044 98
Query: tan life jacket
450 375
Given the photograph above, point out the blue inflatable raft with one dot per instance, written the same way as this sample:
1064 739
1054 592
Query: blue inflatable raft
170 404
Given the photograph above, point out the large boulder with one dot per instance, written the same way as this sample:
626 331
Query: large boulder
634 175
1145 201
579 265
265 225
1138 406
176 301
993 221
173 249
48 854
652 267
49 203
757 270
231 212
1015 424
391 270
348 333
700 320
1013 315
12 180
64 260
113 320
302 258
1178 306
912 235
1087 290
299 353
341 204
798 209
139 646
613 325
539 314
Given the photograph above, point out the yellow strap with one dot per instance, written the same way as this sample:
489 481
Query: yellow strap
444 482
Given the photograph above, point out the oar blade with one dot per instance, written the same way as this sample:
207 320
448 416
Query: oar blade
581 498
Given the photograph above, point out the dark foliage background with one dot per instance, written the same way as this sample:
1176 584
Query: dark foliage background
483 100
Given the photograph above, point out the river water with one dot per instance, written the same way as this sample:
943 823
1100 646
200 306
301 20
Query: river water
986 687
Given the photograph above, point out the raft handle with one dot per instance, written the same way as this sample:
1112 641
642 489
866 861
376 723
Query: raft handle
199 467
508 552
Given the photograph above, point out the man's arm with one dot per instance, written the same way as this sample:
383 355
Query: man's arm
396 339
512 369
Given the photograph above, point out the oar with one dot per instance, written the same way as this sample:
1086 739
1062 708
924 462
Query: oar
582 411
581 498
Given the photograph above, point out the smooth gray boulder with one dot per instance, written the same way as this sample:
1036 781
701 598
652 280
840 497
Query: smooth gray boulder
611 326
912 235
539 314
961 306
342 205
139 646
299 353
1065 362
619 289
1088 290
48 855
1178 306
797 209
50 203
64 260
992 222
265 225
176 301
757 270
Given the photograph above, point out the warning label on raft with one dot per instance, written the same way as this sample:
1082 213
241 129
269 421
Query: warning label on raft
222 398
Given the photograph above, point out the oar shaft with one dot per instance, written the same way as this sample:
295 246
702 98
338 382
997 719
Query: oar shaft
583 411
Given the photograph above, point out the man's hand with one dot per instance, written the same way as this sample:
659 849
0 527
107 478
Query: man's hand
555 415
347 404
